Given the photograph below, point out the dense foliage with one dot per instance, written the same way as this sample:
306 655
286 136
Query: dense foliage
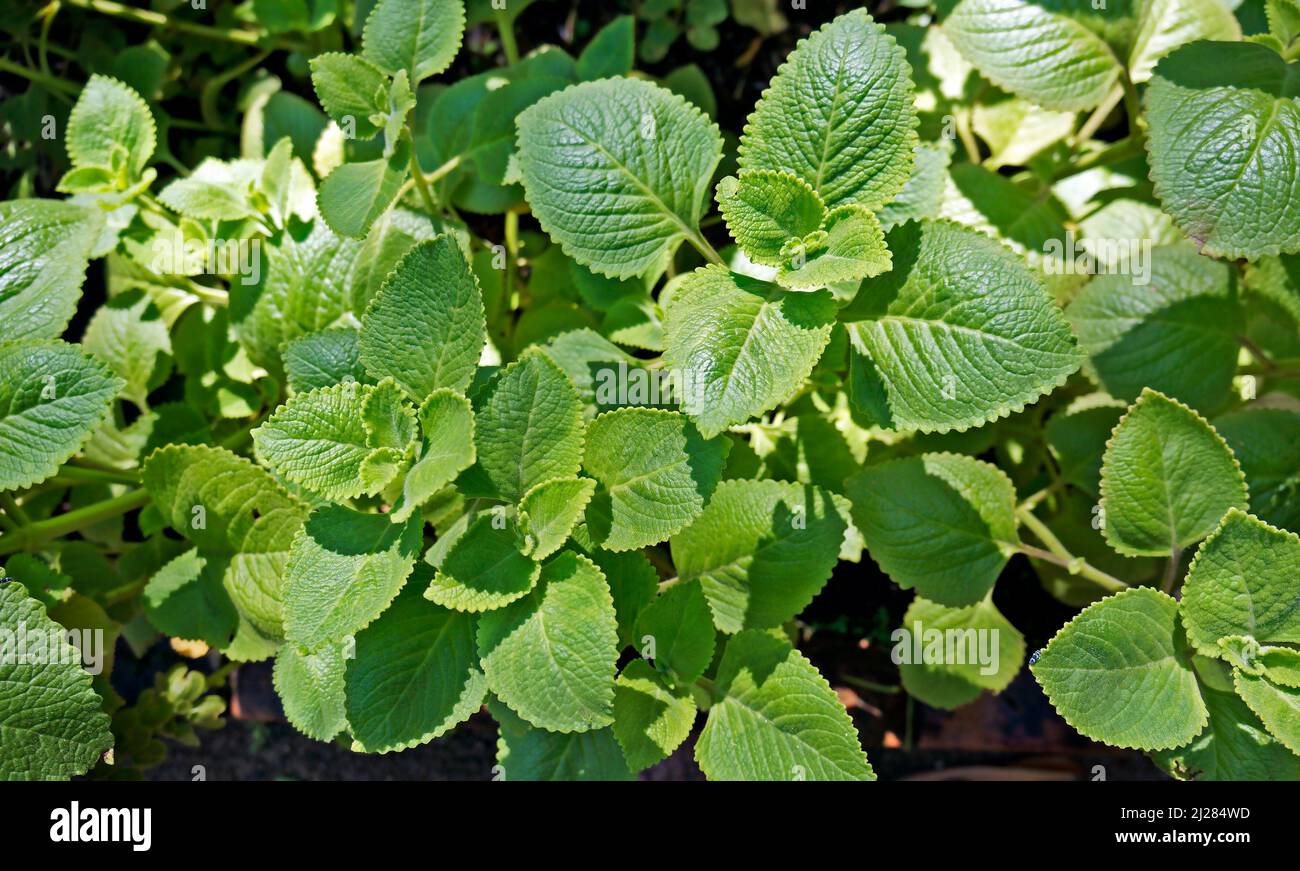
489 378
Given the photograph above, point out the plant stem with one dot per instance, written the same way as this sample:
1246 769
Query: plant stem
11 507
83 474
1057 554
1099 116
237 35
73 521
1171 570
54 84
702 245
870 685
967 137
422 183
506 30
1114 153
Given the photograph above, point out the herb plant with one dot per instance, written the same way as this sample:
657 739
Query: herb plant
455 392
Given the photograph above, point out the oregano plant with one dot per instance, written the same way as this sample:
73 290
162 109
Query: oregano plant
450 379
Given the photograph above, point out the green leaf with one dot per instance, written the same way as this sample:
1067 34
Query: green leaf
1278 707
655 473
304 290
922 195
425 326
214 191
485 568
1234 746
329 440
44 246
776 719
231 509
130 335
851 247
650 720
1117 674
633 582
310 686
186 599
761 550
637 155
529 429
765 209
739 346
1266 441
959 333
675 629
1034 50
1166 478
551 655
1164 25
525 753
51 723
355 195
549 511
1242 582
446 449
52 397
323 359
986 655
942 523
421 37
110 117
390 239
1078 434
351 90
1173 329
1224 125
839 115
422 656
1016 130
611 52
343 571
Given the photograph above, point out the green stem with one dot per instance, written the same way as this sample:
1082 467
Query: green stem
506 30
81 474
1099 115
54 84
1114 153
870 685
1171 570
237 35
11 507
64 524
1057 554
702 245
422 184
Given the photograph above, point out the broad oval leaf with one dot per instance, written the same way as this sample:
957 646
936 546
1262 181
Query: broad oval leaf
675 629
1034 50
1166 478
310 686
529 429
739 346
551 655
1224 135
52 398
425 327
764 209
654 472
1242 582
957 334
484 568
421 37
44 246
761 550
776 718
651 720
987 656
629 151
942 523
344 569
1173 329
839 115
51 723
528 754
415 676
1116 673
110 117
